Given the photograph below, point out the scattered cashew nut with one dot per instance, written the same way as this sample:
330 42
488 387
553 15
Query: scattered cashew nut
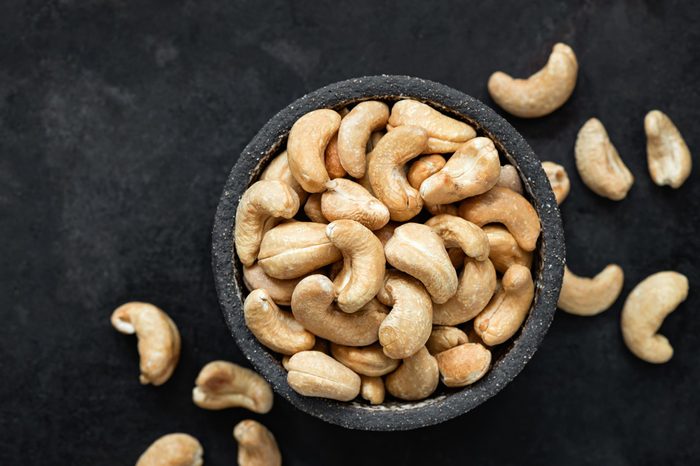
510 178
668 155
372 389
173 450
464 364
504 250
558 179
445 337
256 445
366 360
416 378
280 291
590 296
222 384
312 373
459 233
354 134
477 283
345 199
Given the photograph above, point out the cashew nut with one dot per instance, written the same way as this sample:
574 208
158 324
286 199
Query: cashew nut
159 339
345 199
173 450
457 232
386 232
372 389
501 205
312 208
504 250
312 373
464 364
477 283
256 445
416 378
293 249
366 360
644 311
306 148
508 308
668 155
260 207
590 296
222 384
354 134
473 169
541 93
278 169
280 291
273 327
510 178
558 179
417 250
313 307
423 168
443 338
599 164
332 160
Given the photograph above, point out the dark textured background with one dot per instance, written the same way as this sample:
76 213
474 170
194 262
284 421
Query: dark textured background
119 122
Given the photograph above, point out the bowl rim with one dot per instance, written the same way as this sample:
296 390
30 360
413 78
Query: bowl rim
398 415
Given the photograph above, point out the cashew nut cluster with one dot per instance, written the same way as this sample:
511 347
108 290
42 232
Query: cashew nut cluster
362 293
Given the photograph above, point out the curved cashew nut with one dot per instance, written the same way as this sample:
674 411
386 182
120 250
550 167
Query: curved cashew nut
159 339
459 233
501 205
278 170
260 207
223 384
173 450
313 307
354 134
558 179
510 178
590 296
372 389
280 291
417 250
332 160
508 308
366 360
668 155
443 338
473 169
312 373
256 445
345 199
306 148
464 364
599 164
274 328
312 209
416 378
541 93
423 168
645 309
504 250
477 283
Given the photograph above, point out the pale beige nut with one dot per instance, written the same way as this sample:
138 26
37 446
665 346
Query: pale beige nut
223 384
273 327
365 360
541 93
280 291
501 205
473 169
372 389
417 250
173 450
510 178
256 445
668 155
477 283
416 378
509 307
315 374
599 164
294 249
464 364
558 179
387 175
278 169
386 232
459 233
444 337
158 339
260 208
644 311
313 210
345 199
504 250
313 307
306 148
584 296
423 168
354 134
332 160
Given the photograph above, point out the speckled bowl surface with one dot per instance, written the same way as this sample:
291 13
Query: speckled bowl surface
509 358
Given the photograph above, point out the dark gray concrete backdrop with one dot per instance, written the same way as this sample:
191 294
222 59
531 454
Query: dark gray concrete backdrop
119 122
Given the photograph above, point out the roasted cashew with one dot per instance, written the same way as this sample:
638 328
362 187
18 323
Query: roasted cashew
668 155
501 205
222 384
541 93
417 250
477 283
259 209
256 445
312 373
504 250
590 296
345 199
280 291
558 179
306 148
464 364
599 164
423 168
313 210
644 311
159 339
459 233
332 160
416 378
278 169
510 178
372 389
173 450
366 360
443 338
273 327
354 134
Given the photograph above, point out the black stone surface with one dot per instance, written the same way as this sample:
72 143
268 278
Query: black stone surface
120 121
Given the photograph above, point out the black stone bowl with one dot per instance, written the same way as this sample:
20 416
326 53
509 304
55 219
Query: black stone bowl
509 358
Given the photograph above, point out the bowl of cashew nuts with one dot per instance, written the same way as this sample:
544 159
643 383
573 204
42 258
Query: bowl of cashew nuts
388 253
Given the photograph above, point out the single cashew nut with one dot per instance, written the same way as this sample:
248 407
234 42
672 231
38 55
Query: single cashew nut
332 160
590 296
354 134
417 250
345 199
159 339
312 209
423 168
668 155
541 93
312 373
173 450
464 364
645 309
501 205
504 250
366 360
260 207
416 378
510 178
599 164
459 233
306 148
280 291
477 283
508 308
278 169
256 445
372 389
558 179
443 338
222 384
